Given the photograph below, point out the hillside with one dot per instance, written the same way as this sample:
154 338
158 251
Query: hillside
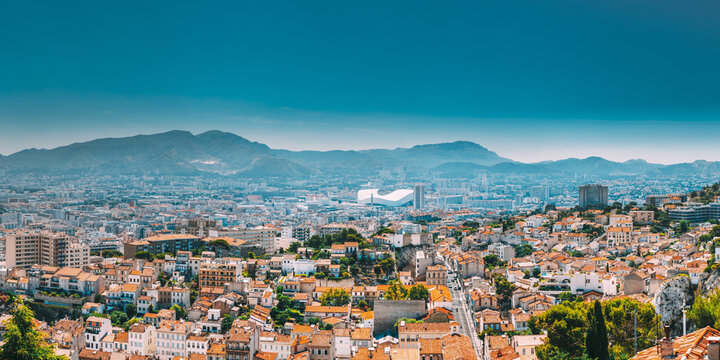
216 152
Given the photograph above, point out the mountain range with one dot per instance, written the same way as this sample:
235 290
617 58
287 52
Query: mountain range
216 152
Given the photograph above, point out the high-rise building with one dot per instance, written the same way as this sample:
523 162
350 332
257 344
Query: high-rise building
419 194
24 249
593 195
541 192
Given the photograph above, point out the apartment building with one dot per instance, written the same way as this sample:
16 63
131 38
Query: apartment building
258 237
70 280
96 328
619 235
172 339
696 213
212 274
23 249
141 339
160 244
436 275
642 216
241 343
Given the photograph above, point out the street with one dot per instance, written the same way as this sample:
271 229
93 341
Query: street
463 315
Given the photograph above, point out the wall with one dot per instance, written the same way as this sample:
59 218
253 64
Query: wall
388 311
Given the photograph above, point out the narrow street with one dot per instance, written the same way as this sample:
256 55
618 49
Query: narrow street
462 312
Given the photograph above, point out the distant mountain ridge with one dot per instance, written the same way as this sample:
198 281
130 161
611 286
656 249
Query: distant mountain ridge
215 152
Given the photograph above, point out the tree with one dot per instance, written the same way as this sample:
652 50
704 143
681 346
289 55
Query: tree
523 250
492 261
294 246
396 291
180 312
144 255
23 340
387 265
683 227
706 310
418 292
335 297
226 324
111 254
619 320
567 296
566 325
220 243
504 288
596 340
354 270
131 310
571 323
118 318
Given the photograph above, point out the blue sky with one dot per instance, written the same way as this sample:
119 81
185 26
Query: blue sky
532 80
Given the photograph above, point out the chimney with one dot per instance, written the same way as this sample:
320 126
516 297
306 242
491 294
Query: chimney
713 348
666 345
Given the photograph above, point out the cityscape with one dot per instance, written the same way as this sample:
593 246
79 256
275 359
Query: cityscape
375 181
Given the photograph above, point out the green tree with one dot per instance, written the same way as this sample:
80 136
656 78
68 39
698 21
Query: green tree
418 292
180 312
396 291
706 310
335 297
683 227
144 255
131 310
23 340
220 243
387 265
354 270
294 246
619 320
118 318
566 325
504 288
111 254
226 324
523 250
596 340
567 296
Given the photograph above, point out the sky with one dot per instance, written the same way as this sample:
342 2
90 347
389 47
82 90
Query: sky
531 80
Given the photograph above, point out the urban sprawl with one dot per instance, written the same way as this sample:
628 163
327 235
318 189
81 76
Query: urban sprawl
490 267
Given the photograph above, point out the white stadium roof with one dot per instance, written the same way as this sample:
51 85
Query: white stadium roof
395 198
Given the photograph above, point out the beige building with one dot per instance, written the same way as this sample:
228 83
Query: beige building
525 345
260 237
436 275
217 274
642 217
24 249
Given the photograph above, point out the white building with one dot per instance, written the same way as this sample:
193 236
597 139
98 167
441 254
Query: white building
95 330
374 197
172 339
141 339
